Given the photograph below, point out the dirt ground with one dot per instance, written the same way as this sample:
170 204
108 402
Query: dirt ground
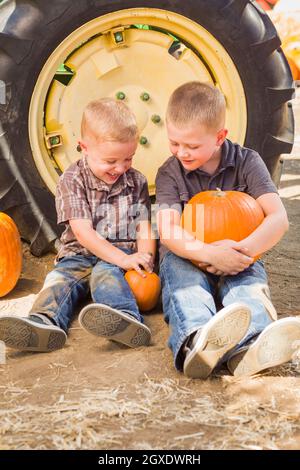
95 394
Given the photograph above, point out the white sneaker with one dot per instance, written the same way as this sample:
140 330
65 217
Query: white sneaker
274 346
102 320
222 333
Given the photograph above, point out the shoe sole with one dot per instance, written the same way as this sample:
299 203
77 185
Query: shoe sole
101 320
224 331
273 347
20 333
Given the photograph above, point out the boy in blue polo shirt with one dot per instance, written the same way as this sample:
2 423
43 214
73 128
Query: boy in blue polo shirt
245 332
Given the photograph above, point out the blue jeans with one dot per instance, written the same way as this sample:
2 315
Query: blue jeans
73 278
189 294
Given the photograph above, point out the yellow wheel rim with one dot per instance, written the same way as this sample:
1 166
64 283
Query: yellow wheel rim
108 56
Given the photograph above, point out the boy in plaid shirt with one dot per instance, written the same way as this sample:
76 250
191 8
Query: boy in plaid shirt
105 206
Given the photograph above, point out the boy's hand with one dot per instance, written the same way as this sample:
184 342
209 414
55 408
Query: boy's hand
227 242
211 269
233 244
136 260
227 257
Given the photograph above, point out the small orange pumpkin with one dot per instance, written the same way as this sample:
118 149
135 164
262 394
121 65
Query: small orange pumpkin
211 216
10 254
145 289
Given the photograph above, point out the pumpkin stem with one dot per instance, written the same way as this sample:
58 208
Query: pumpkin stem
219 192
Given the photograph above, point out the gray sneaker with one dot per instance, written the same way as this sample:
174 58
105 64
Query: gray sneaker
275 345
221 334
102 320
33 333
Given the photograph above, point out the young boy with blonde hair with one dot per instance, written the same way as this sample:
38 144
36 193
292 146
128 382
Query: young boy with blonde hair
105 206
245 333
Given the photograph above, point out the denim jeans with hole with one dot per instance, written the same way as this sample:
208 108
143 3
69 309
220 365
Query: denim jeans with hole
71 281
189 299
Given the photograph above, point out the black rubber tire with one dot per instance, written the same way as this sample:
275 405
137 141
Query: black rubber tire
240 26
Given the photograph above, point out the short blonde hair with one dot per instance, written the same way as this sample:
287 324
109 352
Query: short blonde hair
109 120
197 103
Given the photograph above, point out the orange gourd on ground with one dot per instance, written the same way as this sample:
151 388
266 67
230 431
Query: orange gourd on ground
145 289
211 216
294 69
267 4
10 254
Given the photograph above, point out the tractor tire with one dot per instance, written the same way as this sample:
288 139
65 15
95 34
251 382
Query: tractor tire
30 30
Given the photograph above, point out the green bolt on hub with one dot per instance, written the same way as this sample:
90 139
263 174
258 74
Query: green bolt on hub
155 118
120 95
55 140
145 96
143 140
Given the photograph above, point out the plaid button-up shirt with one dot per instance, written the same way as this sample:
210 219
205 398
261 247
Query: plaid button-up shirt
114 211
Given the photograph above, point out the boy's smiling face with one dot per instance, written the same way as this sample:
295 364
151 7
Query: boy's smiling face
194 145
108 160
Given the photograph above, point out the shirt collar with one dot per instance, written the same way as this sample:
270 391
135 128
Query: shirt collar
95 183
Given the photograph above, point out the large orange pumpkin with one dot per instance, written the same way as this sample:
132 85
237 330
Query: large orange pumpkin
145 289
10 254
211 216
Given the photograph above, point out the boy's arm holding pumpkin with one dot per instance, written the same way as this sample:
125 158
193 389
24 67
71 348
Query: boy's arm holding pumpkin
267 234
273 227
145 240
103 249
